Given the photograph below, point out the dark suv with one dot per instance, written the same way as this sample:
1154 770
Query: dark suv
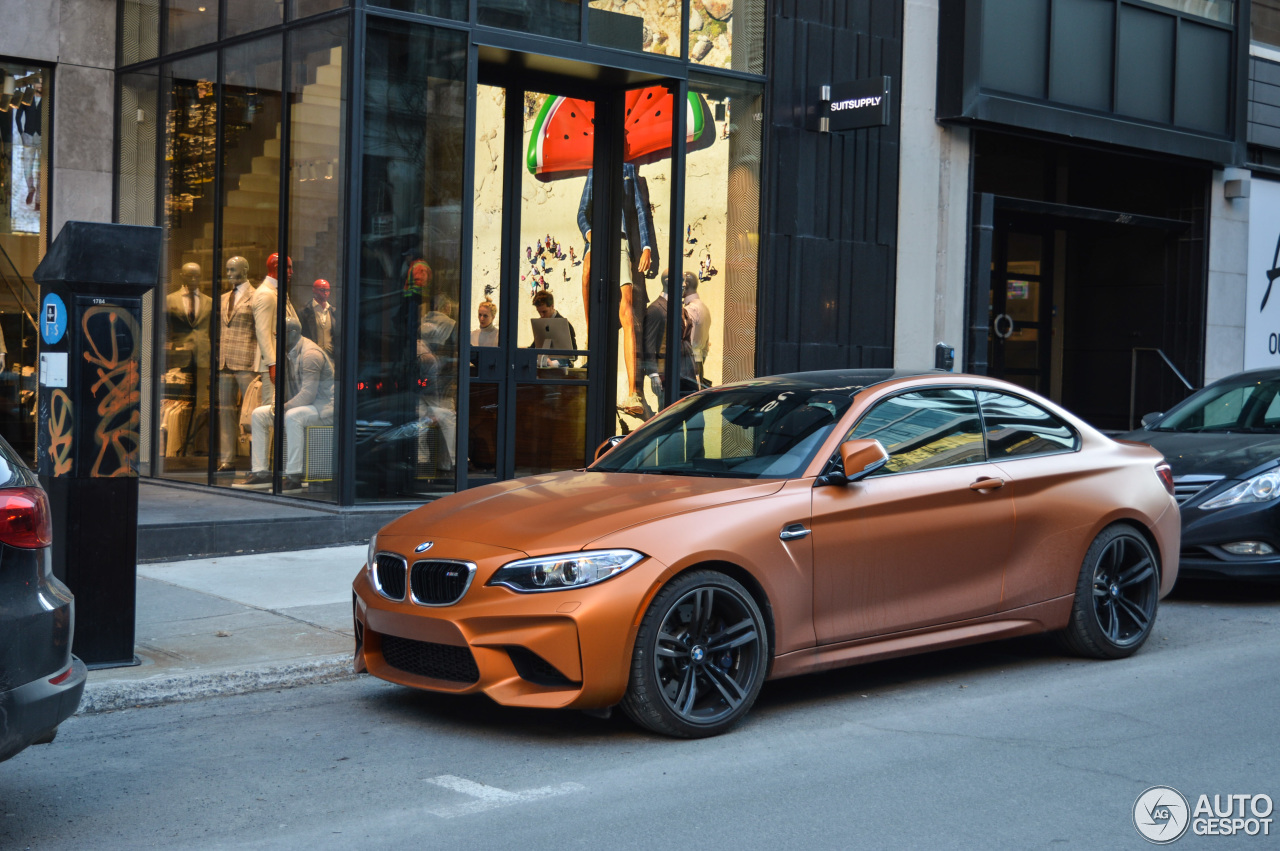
40 681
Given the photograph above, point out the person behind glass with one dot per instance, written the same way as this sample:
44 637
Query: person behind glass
320 318
700 318
187 313
265 299
309 373
654 357
545 303
237 358
637 246
487 333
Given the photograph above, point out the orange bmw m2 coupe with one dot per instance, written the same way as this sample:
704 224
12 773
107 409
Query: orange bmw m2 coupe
770 528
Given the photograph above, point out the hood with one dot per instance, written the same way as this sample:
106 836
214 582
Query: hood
1215 454
564 512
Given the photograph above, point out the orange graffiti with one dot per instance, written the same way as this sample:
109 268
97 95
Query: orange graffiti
117 429
60 432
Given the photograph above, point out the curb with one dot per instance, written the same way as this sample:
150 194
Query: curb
112 696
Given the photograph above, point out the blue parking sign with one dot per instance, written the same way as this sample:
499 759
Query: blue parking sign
53 319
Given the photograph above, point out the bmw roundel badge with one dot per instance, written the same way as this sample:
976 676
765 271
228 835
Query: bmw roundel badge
423 547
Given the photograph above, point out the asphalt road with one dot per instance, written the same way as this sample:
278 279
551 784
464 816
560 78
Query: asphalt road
1010 745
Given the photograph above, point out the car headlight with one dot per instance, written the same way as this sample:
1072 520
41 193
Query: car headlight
1263 487
571 570
373 551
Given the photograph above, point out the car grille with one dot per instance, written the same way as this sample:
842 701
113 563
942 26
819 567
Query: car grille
424 659
1185 487
389 575
440 583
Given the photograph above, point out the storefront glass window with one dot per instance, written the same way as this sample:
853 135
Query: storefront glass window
653 27
139 30
722 232
308 390
306 8
246 330
727 34
136 152
190 110
410 264
1265 25
245 16
455 9
25 110
192 23
556 18
1214 10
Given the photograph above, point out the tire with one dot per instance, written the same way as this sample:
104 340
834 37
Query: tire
1116 596
700 657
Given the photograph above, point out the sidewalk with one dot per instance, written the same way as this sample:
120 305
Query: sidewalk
235 624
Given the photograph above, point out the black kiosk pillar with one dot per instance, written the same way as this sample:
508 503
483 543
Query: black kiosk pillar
92 282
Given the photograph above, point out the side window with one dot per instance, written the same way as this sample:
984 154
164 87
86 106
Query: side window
1017 428
925 430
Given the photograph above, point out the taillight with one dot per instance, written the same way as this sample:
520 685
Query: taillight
1165 472
24 518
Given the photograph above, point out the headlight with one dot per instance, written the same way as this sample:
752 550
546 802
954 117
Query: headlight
373 551
571 570
1261 488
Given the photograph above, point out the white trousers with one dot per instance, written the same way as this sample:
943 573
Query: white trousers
295 424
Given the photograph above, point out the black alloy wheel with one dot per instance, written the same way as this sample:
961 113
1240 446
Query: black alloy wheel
700 658
1116 596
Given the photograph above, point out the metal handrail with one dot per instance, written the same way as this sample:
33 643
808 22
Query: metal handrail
1133 376
24 293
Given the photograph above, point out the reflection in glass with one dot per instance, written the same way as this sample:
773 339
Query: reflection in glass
251 102
487 290
652 27
925 430
191 24
245 16
455 9
727 34
306 8
190 110
317 109
411 211
557 18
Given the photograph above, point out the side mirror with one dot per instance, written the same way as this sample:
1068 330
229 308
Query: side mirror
1149 420
862 457
607 445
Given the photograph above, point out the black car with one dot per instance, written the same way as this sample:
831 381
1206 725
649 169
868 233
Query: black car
1223 444
40 681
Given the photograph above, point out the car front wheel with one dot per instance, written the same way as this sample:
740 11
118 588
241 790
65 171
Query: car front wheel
700 657
1116 596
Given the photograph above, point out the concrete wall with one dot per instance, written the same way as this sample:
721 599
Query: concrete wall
78 37
933 198
1228 279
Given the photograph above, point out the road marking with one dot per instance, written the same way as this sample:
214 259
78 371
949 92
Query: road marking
491 797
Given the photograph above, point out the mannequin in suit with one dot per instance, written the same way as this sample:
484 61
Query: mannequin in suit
188 312
265 299
237 357
320 319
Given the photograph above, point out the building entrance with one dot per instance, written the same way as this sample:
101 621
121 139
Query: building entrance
569 184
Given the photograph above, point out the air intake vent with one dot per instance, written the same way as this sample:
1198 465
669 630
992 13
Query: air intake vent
440 583
437 661
389 575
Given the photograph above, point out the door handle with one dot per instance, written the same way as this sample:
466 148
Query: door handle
986 484
794 531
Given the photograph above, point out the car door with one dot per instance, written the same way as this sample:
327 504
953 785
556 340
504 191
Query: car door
924 540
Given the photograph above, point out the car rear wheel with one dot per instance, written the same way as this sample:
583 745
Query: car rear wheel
700 657
1116 596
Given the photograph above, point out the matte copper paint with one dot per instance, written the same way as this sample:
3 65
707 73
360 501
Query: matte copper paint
896 564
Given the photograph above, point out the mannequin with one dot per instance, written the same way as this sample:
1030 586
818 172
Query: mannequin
265 298
320 319
310 371
29 125
187 313
237 357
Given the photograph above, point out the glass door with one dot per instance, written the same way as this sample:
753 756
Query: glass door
1021 315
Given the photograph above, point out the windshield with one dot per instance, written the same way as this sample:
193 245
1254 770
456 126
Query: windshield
1247 404
765 431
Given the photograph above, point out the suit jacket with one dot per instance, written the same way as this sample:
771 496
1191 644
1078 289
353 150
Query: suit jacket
183 333
237 344
264 323
637 224
30 118
307 316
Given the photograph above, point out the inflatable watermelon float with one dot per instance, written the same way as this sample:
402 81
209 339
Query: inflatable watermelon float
563 134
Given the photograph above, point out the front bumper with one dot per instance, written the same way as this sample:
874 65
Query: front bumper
558 649
31 713
1204 533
